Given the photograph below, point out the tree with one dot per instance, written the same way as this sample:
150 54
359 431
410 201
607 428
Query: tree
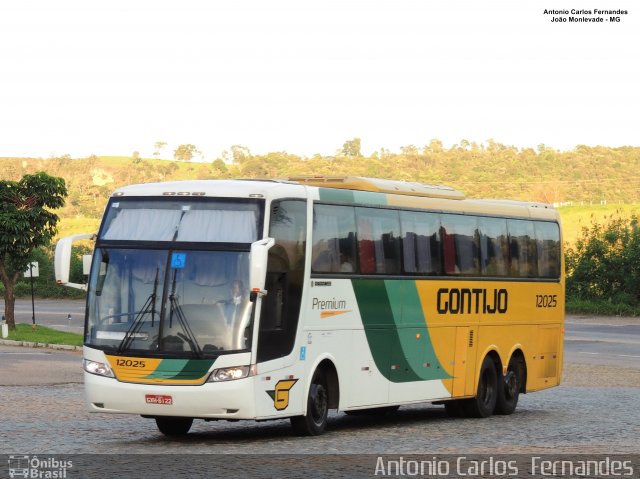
185 152
25 224
240 153
605 263
351 148
157 147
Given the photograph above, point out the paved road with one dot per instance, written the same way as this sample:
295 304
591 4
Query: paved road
595 411
603 344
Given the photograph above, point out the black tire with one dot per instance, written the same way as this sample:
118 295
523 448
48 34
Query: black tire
455 408
509 386
374 411
484 403
314 423
174 426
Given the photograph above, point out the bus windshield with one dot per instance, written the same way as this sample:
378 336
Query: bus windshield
169 302
206 220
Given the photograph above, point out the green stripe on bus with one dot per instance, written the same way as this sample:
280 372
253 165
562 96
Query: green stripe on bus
413 333
168 369
181 369
399 342
195 369
349 197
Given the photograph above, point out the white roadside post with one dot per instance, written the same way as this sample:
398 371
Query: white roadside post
33 271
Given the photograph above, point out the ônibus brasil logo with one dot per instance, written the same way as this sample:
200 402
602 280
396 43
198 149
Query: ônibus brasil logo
35 467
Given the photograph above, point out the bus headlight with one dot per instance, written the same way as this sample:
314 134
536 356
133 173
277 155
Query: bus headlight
229 374
99 369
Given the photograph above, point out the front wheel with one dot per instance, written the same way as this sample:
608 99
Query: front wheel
174 426
314 423
484 403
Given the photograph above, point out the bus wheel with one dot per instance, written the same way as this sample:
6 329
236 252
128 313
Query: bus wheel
484 403
174 426
509 388
315 421
455 408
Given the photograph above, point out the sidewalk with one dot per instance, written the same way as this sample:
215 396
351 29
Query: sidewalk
29 344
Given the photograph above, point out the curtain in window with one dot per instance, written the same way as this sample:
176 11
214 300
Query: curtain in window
143 225
223 226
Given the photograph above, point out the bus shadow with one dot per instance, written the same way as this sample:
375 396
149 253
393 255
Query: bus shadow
224 432
243 434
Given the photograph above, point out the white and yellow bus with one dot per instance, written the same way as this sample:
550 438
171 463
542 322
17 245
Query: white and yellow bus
244 299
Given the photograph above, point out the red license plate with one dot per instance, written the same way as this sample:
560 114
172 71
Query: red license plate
158 399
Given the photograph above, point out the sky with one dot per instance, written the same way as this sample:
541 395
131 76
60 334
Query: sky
110 78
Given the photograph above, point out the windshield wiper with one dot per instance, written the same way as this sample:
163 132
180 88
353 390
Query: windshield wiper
190 338
136 325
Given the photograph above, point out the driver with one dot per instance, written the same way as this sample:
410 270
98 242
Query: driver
233 305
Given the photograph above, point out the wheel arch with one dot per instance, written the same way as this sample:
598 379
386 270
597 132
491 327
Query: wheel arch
518 353
495 357
493 352
326 365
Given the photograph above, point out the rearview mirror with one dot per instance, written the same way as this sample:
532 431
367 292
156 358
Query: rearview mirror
62 263
258 259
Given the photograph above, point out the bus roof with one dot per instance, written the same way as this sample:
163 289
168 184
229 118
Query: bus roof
378 185
436 197
365 190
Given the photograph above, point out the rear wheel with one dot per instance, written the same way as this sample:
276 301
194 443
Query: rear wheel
484 403
174 426
314 423
509 387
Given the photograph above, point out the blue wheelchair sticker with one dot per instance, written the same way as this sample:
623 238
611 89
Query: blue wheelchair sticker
303 353
178 260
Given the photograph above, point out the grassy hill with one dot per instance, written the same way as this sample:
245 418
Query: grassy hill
579 179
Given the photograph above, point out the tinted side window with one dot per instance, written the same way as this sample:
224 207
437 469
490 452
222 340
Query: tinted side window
460 241
548 245
284 281
334 239
522 249
420 242
494 247
378 241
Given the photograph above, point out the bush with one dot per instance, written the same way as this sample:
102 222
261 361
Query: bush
605 264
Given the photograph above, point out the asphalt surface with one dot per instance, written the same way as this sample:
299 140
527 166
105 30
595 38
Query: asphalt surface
594 411
603 344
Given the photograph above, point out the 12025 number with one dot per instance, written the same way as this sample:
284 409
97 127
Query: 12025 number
546 300
129 363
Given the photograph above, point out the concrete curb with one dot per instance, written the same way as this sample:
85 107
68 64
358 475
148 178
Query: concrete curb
29 344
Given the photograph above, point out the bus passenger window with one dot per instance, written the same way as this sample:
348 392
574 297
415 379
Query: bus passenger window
548 245
333 239
522 249
378 241
494 247
460 238
420 242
